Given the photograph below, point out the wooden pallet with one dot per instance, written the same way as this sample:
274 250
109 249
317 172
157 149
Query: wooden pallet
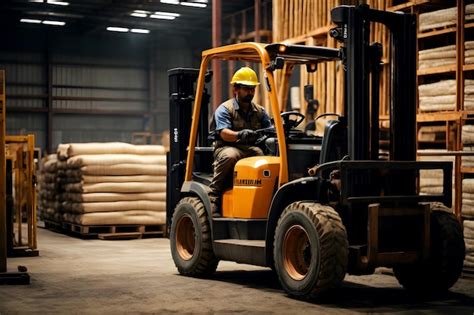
53 226
468 273
108 232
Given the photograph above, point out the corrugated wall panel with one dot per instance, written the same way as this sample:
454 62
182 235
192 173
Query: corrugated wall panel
22 124
94 129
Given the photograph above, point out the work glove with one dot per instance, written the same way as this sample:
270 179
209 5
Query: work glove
247 136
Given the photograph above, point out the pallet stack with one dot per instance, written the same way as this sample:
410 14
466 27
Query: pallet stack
107 186
438 96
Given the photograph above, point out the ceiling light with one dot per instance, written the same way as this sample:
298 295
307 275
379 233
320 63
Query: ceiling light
141 11
56 23
201 1
170 1
139 30
117 29
57 2
30 21
167 13
162 17
194 4
141 15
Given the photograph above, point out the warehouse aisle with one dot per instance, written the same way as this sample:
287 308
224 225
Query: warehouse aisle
138 276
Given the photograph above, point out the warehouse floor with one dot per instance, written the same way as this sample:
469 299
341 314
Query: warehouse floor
138 276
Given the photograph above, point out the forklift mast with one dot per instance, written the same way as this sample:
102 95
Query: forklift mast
181 95
362 60
353 30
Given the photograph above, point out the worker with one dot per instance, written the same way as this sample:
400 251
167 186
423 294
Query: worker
234 124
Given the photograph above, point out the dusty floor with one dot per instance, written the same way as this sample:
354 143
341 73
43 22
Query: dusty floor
75 276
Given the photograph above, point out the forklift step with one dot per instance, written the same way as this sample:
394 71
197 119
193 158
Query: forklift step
241 251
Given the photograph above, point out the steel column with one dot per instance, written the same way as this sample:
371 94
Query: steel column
216 42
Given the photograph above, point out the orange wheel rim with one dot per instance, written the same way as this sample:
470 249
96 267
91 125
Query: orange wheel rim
185 237
296 252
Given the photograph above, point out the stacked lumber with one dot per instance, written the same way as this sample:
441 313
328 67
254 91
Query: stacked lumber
431 181
438 96
113 183
443 18
48 190
437 57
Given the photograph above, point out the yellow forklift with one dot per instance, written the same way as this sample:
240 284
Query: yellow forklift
315 208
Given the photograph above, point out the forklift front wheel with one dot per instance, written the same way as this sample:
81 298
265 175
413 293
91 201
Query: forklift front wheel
190 239
310 249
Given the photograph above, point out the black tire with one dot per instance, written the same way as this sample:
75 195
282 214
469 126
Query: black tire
190 239
310 249
444 265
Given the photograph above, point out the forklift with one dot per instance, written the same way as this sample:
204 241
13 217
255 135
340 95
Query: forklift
315 208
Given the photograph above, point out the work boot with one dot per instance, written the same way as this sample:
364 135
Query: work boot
215 206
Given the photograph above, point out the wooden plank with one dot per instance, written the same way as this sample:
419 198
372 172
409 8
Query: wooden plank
438 116
437 32
120 236
468 67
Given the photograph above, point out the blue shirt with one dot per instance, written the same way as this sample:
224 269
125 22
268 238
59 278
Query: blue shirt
223 117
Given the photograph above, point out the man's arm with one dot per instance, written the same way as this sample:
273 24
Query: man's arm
228 135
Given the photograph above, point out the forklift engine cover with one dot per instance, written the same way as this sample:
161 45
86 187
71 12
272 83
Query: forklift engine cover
255 180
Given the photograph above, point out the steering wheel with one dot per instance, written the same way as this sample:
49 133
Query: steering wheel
291 123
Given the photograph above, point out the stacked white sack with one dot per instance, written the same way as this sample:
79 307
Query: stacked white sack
467 137
469 94
431 181
438 96
469 241
113 183
443 18
437 57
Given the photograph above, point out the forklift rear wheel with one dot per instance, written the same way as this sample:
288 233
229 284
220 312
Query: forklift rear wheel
190 239
310 249
444 265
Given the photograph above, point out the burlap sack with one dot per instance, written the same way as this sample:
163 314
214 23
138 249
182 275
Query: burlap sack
106 197
113 159
426 64
120 179
440 99
431 182
91 207
124 169
139 217
444 87
116 187
468 185
437 18
73 149
437 107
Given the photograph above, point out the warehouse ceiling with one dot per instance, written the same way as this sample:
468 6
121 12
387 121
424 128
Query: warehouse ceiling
139 16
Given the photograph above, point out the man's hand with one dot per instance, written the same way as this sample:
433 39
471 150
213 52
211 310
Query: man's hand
247 136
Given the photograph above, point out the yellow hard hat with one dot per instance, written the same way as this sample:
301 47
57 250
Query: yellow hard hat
245 76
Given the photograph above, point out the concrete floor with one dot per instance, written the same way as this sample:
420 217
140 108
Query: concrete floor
74 276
